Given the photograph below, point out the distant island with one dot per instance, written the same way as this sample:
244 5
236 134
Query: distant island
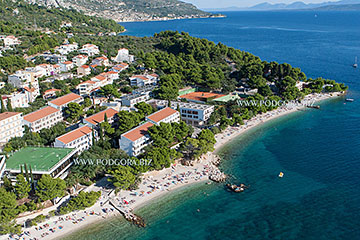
130 10
343 5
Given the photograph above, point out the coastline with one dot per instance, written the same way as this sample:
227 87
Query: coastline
167 19
188 175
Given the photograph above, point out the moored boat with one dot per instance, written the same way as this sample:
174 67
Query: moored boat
236 188
281 174
349 100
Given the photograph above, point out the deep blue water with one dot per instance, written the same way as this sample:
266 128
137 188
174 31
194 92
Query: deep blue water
318 150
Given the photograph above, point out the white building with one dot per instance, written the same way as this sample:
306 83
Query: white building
165 115
11 41
191 113
97 118
66 66
101 61
124 56
62 102
134 141
17 99
80 139
67 48
43 118
143 80
89 49
120 67
132 99
80 60
84 70
11 125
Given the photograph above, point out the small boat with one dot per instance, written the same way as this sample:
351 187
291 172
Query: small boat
236 188
314 106
355 65
281 174
349 99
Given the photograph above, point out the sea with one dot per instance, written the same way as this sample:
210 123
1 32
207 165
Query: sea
318 150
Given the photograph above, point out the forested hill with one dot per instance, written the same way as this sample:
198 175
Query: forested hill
35 17
130 10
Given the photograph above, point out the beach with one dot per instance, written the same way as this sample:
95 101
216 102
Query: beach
154 184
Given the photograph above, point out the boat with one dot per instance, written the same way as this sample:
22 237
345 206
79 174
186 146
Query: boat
314 106
349 100
281 174
236 188
355 65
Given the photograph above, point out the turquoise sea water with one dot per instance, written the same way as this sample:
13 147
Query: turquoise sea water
318 150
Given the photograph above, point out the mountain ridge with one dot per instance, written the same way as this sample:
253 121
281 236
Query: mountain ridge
130 10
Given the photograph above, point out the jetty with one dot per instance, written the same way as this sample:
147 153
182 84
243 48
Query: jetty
130 216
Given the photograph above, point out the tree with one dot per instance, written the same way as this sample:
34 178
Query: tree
169 86
162 135
206 141
8 213
3 109
123 177
162 157
8 106
87 102
144 108
49 188
22 187
73 111
109 91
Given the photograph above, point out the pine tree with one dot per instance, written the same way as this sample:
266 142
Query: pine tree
105 118
22 187
26 173
2 110
8 106
32 179
21 170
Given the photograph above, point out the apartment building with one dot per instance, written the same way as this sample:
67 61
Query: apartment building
132 99
11 125
43 118
80 139
17 100
62 102
89 49
134 141
191 113
143 80
84 70
80 60
165 115
97 118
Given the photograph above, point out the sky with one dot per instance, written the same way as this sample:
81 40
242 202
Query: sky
243 3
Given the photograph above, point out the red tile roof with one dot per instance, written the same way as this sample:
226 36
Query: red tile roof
67 62
65 99
84 66
138 132
6 115
99 117
75 134
161 114
51 91
34 116
201 96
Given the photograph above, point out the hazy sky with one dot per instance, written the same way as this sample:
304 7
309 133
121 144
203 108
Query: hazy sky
242 3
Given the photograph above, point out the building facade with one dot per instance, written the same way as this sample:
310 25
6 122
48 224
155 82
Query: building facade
11 125
79 139
43 118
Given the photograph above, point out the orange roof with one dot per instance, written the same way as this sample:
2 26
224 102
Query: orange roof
75 134
140 76
51 90
99 117
162 114
138 132
67 62
88 81
29 89
34 116
56 66
201 96
65 99
6 115
101 78
85 66
112 72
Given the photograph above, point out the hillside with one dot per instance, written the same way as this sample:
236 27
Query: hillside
130 10
345 7
34 17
